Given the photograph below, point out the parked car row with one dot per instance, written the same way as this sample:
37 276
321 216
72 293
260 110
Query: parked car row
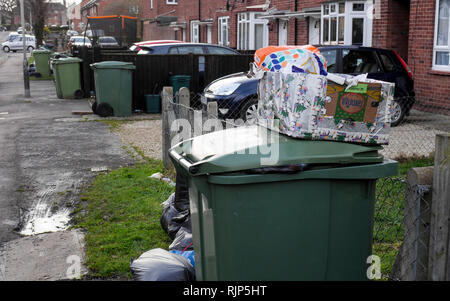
104 41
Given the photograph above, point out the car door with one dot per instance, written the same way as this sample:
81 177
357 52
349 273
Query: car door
395 74
17 43
331 56
359 61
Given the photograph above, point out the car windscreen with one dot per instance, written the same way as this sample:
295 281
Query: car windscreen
107 40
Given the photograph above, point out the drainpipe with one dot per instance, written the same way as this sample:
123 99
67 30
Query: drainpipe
199 18
295 23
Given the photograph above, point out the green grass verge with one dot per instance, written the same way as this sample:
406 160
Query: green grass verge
389 212
120 212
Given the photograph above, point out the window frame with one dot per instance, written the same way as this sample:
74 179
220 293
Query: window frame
246 40
223 22
349 14
172 2
437 48
195 23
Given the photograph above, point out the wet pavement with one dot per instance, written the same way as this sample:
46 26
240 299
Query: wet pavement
46 158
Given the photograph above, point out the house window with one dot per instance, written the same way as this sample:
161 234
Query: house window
252 32
195 32
223 31
347 23
441 53
172 2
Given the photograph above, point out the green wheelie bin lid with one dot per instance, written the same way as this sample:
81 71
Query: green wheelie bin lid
246 148
68 60
113 65
41 51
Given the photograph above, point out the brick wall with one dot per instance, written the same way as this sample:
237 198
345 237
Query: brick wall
391 29
432 88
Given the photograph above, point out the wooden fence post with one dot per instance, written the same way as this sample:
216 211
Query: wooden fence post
439 258
413 255
185 101
168 116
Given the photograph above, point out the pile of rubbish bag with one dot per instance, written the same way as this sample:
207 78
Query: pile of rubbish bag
178 263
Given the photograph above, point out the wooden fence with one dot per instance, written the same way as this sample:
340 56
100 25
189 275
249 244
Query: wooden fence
153 72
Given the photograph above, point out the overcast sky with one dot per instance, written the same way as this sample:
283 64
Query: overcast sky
69 2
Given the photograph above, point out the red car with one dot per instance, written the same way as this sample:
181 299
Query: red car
136 46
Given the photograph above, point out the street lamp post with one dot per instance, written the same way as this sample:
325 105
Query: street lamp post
26 78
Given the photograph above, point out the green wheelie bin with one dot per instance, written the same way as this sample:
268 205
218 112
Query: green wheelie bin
42 62
180 81
67 77
113 88
270 207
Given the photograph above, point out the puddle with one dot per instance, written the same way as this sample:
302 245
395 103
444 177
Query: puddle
42 217
53 223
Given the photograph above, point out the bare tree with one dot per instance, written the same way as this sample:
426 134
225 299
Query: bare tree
39 10
8 5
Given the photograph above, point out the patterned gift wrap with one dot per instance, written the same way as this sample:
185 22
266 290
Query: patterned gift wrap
307 106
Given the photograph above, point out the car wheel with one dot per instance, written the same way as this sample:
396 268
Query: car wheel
249 111
6 49
104 110
398 113
30 49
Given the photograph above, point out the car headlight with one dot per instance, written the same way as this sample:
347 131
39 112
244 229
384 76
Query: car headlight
223 90
223 111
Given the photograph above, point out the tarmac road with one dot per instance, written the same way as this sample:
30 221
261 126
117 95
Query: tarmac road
46 157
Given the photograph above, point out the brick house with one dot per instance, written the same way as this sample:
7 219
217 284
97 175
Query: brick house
56 14
74 16
418 30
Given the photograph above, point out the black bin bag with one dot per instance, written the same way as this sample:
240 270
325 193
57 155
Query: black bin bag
171 219
161 265
181 202
183 238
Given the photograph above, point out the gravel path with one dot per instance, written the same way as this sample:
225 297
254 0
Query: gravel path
145 135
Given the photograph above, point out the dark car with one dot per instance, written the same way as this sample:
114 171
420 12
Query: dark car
186 48
380 64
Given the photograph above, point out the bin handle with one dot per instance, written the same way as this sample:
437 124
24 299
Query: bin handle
287 169
191 167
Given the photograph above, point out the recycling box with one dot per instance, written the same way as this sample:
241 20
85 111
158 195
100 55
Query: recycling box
271 207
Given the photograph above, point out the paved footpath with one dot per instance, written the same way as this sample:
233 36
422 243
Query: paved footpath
46 159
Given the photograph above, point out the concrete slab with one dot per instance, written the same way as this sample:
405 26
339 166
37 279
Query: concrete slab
49 256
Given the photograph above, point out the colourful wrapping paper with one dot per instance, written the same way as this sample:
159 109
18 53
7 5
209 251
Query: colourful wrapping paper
291 59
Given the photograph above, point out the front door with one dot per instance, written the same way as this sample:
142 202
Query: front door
314 25
282 32
209 34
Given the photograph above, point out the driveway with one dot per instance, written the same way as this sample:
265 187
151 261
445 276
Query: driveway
46 158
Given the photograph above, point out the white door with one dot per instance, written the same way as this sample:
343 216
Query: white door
209 34
314 33
282 32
